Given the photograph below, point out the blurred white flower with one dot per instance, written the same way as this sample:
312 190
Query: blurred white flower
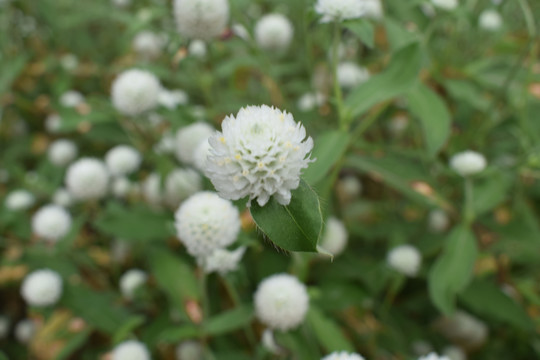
42 288
172 98
405 259
274 32
201 19
53 123
69 62
350 186
464 329
421 347
19 200
222 261
398 124
189 350
51 222
120 187
350 75
310 101
445 4
188 138
269 343
122 160
135 91
240 31
490 20
121 3
166 145
343 355
428 9
454 353
197 49
148 45
62 197
335 236
281 302
259 153
24 331
151 189
337 10
468 163
4 327
87 178
433 356
181 184
61 152
205 222
438 220
71 98
200 155
131 350
373 9
130 281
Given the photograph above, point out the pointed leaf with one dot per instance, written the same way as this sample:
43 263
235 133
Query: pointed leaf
363 29
229 320
328 332
329 148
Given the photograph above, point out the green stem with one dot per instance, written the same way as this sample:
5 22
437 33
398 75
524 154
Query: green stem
469 201
337 88
233 294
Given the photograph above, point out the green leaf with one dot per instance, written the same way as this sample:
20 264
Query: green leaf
363 29
73 344
178 333
466 91
295 227
485 298
425 104
328 332
229 321
11 68
491 192
400 76
127 328
453 270
397 35
329 148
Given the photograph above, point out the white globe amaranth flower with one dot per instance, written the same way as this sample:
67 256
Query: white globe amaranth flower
121 186
181 184
335 236
87 178
25 330
350 186
259 153
53 123
454 353
131 350
69 62
4 327
405 259
51 222
201 19
122 160
433 356
337 10
310 101
373 9
151 189
465 329
130 281
71 98
148 45
274 32
421 347
189 137
62 197
205 222
19 200
189 350
121 3
438 220
490 20
172 98
222 261
240 31
135 91
62 152
468 163
42 288
445 4
166 145
343 355
281 302
200 155
350 75
197 49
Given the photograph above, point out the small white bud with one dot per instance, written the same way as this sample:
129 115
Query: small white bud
181 184
405 259
135 91
189 350
351 75
148 45
188 138
197 49
342 355
335 236
201 19
222 261
62 152
468 163
18 200
274 32
122 160
490 20
337 10
25 330
130 281
131 350
51 222
172 98
42 288
62 197
87 178
438 221
71 98
433 356
445 4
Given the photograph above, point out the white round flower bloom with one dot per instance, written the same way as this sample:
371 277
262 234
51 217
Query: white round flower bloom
200 155
201 19
274 32
197 48
335 236
406 259
240 31
130 281
172 98
69 62
148 45
438 220
53 123
62 152
222 261
166 145
454 353
490 20
131 350
464 329
87 178
51 222
19 200
468 163
24 331
350 75
188 138
151 189
259 153
332 10
135 91
120 187
350 186
281 302
71 98
205 222
122 160
62 197
181 184
373 9
42 288
343 355
433 356
310 101
445 4
4 327
189 350
121 3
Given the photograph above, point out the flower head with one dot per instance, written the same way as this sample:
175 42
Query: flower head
24 330
19 200
433 356
151 189
42 288
201 19
222 261
87 178
51 222
71 98
406 259
310 101
148 45
373 9
188 138
172 98
135 91
468 163
490 20
438 220
342 355
122 160
445 4
181 184
189 350
130 281
259 153
335 236
350 75
336 10
274 32
130 350
62 152
281 302
53 123
205 222
62 197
